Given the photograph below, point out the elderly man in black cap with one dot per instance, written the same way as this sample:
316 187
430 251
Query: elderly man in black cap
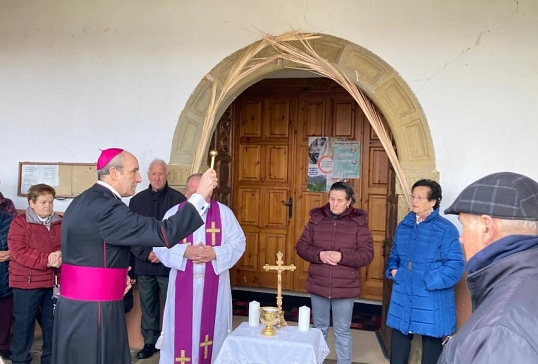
499 214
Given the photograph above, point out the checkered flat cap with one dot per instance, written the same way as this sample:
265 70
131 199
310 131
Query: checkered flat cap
504 195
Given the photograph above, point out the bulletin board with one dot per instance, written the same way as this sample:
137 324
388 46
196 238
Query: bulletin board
68 179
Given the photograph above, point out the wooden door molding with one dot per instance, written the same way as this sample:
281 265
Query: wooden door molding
392 222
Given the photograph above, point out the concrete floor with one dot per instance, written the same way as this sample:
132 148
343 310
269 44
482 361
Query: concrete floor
366 349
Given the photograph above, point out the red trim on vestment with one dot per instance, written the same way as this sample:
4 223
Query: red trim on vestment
164 237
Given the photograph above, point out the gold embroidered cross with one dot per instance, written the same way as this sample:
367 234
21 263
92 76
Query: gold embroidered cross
213 232
182 358
184 241
205 345
279 268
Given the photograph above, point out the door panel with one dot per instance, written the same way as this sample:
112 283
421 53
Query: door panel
249 160
343 117
277 212
251 122
264 178
248 207
277 171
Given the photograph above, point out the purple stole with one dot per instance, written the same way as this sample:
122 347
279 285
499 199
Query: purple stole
184 298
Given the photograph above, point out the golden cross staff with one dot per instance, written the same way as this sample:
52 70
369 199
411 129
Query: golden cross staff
279 268
213 154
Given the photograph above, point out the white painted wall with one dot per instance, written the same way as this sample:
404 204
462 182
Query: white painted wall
79 75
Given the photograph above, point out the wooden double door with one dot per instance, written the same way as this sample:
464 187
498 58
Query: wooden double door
272 123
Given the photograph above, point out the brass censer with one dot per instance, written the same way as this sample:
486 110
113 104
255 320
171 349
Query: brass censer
269 316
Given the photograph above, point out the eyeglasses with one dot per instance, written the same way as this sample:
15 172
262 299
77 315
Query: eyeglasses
415 197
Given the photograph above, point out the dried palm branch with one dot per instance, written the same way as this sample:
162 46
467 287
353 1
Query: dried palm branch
245 66
304 58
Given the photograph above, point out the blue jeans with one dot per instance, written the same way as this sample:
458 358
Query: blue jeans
27 305
342 310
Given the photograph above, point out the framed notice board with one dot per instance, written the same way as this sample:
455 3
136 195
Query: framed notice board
68 179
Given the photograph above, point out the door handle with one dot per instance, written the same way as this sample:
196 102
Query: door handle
290 206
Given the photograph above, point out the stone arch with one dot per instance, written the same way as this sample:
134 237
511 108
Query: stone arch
376 78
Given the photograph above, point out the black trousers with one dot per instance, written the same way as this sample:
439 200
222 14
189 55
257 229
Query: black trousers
401 347
149 288
6 319
28 305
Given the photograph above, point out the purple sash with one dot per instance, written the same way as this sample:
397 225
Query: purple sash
184 298
92 283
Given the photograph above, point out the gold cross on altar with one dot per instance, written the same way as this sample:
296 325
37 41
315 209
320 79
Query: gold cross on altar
213 231
205 345
279 268
182 358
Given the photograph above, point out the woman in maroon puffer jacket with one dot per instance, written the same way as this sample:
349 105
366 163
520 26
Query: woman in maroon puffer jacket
34 244
337 242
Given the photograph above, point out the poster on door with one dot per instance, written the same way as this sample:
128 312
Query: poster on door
320 164
346 156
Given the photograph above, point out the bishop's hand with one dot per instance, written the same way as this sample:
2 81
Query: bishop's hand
128 285
208 182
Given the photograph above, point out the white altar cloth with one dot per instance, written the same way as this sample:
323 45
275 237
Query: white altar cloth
246 345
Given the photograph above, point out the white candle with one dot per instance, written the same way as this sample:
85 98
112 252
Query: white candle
254 313
304 318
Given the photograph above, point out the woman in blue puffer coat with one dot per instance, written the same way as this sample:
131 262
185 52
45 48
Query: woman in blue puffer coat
426 262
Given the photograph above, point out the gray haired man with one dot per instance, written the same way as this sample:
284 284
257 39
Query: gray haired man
499 214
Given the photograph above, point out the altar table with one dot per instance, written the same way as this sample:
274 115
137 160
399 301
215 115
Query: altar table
246 345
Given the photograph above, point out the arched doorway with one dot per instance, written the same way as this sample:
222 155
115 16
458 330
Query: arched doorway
378 81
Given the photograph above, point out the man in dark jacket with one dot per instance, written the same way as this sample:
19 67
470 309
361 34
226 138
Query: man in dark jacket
152 275
6 298
499 214
98 230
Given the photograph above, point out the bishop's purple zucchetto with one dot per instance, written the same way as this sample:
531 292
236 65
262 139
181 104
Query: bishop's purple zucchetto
106 156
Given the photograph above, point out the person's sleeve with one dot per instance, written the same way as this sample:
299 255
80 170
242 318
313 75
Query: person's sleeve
199 203
491 345
394 259
453 264
132 264
174 257
19 249
119 225
305 245
171 211
141 252
363 253
10 208
233 242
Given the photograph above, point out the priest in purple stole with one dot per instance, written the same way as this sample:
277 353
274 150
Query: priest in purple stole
98 230
198 312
